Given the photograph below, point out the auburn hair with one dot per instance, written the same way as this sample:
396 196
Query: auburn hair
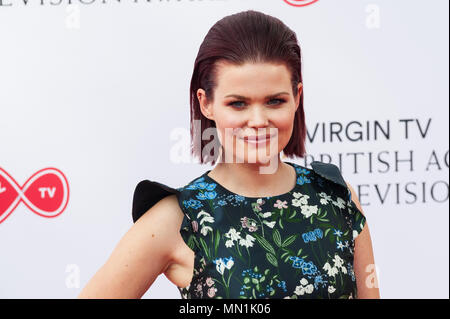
245 37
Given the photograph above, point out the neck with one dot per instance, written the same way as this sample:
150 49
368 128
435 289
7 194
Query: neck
254 179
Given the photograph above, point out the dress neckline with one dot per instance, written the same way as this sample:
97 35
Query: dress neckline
211 180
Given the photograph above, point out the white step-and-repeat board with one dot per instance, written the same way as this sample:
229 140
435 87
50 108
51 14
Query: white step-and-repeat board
92 92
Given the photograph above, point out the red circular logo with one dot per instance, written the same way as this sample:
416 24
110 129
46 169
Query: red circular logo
300 3
46 193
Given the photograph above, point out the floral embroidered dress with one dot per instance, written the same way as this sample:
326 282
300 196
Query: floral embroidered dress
295 245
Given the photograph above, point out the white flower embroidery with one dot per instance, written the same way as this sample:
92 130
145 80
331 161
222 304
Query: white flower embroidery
332 271
206 219
304 287
331 289
307 211
205 230
338 262
324 198
269 224
220 266
222 263
339 203
248 241
299 199
309 289
233 234
229 243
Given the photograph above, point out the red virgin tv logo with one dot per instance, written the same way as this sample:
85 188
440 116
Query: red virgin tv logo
300 3
46 193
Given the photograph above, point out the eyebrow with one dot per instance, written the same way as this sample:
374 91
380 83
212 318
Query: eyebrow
246 98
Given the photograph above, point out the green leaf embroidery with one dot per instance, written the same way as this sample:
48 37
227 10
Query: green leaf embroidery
265 244
205 247
216 244
191 242
277 237
288 241
272 259
293 214
326 232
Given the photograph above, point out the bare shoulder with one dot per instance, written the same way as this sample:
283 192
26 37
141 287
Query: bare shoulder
164 220
166 217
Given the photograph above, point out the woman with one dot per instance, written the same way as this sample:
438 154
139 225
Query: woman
254 226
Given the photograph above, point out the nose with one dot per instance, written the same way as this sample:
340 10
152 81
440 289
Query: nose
258 117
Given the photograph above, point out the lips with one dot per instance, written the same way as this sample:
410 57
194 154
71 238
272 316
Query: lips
260 138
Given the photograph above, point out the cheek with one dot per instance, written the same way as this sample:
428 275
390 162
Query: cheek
284 121
227 123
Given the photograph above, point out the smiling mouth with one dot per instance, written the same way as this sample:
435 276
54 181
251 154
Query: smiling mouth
258 139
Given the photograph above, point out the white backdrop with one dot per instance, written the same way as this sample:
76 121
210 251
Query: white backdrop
96 89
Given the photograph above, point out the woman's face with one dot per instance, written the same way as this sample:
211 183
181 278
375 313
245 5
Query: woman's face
251 101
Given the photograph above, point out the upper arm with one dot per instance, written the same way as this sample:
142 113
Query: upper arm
364 263
141 255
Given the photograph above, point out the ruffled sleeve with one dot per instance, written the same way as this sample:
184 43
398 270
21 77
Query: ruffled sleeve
147 194
332 173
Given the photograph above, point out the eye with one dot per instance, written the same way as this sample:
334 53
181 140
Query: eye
280 101
236 103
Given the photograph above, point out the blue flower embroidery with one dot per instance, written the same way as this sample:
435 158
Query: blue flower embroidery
312 235
303 180
222 202
340 245
318 232
202 185
319 280
206 195
192 203
302 171
308 268
337 232
297 261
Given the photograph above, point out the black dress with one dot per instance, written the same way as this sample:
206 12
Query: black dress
295 245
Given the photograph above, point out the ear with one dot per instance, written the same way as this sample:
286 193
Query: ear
205 107
299 92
